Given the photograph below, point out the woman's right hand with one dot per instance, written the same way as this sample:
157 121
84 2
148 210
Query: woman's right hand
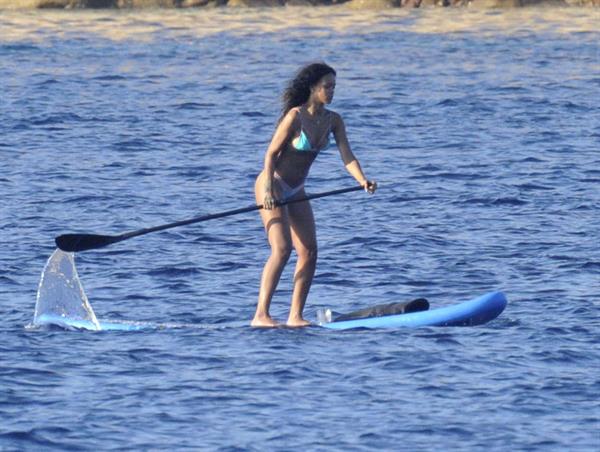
269 201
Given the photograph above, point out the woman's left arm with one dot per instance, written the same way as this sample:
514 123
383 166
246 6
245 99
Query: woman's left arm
350 161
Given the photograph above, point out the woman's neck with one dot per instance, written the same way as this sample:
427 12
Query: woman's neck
314 108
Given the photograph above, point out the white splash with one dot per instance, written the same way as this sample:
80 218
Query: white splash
61 299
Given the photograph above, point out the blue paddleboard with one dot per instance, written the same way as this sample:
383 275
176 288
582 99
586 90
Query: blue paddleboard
474 312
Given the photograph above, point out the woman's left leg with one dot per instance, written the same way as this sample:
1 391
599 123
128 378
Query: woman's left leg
304 240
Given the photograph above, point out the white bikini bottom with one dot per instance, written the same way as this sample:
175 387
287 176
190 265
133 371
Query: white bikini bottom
286 191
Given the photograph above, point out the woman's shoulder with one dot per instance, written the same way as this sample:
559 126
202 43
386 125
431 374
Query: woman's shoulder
336 118
291 118
332 114
293 114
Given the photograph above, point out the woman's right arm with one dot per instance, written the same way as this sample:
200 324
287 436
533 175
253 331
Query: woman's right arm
280 138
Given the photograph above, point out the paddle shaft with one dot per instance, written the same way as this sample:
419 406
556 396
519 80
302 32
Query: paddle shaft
81 242
229 213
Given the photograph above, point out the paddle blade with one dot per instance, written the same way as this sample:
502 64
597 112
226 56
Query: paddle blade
81 242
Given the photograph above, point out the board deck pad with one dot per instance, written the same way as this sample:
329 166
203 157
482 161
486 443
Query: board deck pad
380 310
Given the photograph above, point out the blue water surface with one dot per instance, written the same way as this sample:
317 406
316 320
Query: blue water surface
485 140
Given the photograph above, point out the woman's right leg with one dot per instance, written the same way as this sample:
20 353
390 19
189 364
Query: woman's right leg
277 228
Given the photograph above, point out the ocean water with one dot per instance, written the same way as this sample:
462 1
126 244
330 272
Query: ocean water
483 130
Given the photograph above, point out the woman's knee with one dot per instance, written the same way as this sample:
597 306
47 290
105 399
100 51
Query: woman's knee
308 254
281 250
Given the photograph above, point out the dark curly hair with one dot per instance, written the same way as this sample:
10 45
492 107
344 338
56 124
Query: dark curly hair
298 89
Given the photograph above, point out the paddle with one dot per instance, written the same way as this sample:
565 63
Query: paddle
82 242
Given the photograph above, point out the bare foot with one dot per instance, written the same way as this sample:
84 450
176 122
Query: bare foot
263 321
297 322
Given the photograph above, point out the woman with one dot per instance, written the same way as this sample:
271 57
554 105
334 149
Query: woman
303 131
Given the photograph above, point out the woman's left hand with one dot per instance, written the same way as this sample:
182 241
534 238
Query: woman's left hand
370 186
